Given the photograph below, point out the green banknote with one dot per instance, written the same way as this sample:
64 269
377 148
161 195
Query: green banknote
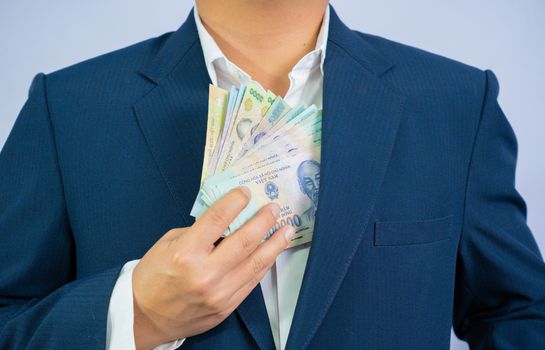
217 108
255 139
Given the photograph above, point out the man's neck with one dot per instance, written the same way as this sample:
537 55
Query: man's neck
264 38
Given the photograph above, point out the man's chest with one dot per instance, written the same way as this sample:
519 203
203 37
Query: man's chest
125 184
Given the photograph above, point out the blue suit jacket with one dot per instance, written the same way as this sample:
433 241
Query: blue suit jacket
419 225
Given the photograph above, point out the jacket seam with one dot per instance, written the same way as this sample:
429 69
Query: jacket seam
468 175
55 146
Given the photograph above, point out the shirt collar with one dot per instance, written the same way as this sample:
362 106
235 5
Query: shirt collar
212 53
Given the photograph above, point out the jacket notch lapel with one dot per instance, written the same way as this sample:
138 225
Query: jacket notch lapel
361 115
173 118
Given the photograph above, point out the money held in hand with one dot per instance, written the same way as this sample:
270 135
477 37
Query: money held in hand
255 139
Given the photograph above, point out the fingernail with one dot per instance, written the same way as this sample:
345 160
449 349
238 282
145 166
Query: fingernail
275 210
246 191
290 231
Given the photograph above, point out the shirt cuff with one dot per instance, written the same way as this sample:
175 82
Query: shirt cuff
119 329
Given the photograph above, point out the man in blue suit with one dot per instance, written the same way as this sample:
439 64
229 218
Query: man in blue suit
103 165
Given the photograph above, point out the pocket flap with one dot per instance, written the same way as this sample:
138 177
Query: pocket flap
412 232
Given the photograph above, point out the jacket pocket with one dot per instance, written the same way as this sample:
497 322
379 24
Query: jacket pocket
399 233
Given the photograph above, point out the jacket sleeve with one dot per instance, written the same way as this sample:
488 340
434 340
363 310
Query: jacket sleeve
42 304
500 281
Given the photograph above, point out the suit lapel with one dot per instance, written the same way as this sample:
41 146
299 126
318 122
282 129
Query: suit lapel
173 120
361 117
172 117
253 313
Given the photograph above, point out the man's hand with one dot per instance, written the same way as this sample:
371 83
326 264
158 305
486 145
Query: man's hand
185 285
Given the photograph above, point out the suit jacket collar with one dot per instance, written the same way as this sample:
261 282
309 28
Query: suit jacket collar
357 47
172 49
361 116
174 46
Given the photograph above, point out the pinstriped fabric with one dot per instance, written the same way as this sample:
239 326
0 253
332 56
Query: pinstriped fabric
419 227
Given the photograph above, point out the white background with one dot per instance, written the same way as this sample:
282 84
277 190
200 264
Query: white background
505 36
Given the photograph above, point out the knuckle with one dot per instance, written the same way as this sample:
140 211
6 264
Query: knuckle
202 285
246 242
172 235
181 259
222 315
258 265
216 302
217 218
171 232
176 231
253 282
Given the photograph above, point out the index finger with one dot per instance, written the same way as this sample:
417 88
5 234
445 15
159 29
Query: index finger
215 221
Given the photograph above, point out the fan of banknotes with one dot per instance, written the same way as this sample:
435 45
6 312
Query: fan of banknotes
255 139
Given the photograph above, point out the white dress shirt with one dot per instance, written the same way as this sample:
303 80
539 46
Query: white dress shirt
282 283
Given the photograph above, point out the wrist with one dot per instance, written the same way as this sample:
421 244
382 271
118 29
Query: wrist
146 333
